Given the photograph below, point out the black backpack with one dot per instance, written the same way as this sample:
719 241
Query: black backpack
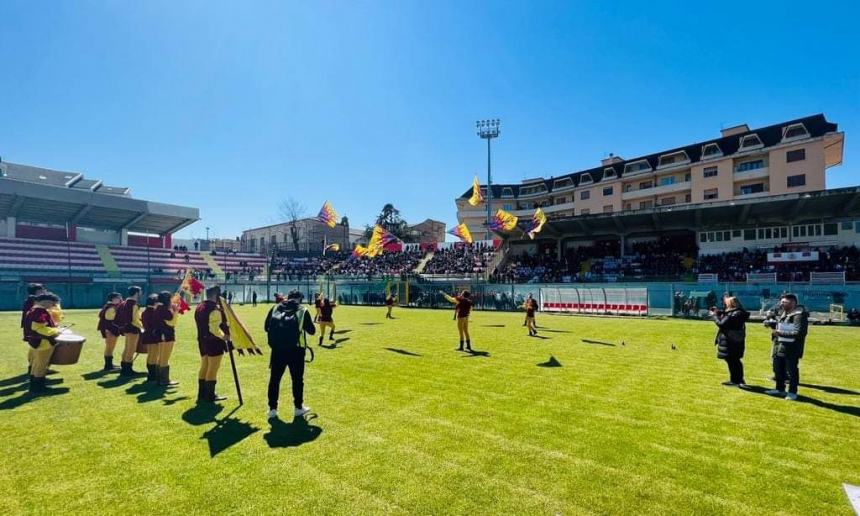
285 329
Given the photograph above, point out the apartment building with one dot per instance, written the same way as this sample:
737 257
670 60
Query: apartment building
742 163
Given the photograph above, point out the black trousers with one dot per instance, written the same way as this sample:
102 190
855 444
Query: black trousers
294 359
786 368
736 369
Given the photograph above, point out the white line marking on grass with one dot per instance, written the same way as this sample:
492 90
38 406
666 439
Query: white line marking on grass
853 493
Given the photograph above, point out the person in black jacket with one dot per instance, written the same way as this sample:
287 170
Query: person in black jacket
731 338
788 334
286 325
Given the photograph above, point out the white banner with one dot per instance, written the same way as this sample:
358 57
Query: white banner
793 256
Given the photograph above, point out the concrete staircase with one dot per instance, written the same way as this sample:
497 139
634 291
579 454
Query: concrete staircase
423 263
108 261
213 265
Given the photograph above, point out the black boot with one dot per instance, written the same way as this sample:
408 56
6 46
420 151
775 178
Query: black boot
151 373
109 364
461 346
201 390
125 369
331 335
34 388
210 392
321 339
164 377
469 346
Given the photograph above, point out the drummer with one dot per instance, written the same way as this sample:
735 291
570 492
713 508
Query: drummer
40 331
151 337
33 290
108 328
165 321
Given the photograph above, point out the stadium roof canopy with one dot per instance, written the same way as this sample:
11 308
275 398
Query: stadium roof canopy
771 210
53 197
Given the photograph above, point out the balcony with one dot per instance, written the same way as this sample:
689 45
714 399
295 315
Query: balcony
655 190
555 208
758 173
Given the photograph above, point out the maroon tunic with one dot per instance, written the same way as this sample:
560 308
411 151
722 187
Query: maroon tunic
36 315
151 335
326 313
123 317
209 344
105 325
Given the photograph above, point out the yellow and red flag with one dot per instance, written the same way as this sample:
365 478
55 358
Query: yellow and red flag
327 215
378 240
503 221
331 247
462 232
476 198
359 251
538 220
240 337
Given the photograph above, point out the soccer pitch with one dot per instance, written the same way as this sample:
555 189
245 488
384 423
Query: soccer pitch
571 422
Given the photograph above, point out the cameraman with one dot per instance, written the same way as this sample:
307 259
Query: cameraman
286 326
789 328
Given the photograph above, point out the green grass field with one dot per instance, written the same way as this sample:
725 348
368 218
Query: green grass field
572 422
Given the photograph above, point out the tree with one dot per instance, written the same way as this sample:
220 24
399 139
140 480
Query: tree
389 219
291 211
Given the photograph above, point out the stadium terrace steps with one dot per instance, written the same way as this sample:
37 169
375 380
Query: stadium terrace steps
423 263
49 256
108 261
213 265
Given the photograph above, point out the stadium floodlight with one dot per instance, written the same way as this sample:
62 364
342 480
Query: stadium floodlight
487 130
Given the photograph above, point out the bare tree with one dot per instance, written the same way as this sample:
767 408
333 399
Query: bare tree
291 210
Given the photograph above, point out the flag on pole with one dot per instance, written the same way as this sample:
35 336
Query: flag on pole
378 240
240 337
359 251
476 198
331 247
327 215
503 221
462 232
538 220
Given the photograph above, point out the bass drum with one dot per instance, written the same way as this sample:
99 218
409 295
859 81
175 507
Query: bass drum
67 349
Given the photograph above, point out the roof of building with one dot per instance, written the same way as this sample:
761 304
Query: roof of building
41 195
774 209
771 135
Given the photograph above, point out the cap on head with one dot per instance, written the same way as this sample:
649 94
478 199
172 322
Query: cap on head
133 291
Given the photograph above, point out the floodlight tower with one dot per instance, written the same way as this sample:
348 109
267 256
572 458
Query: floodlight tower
488 129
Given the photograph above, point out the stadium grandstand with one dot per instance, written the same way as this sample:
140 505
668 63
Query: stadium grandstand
63 228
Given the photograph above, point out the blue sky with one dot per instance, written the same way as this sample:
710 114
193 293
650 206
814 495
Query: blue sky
234 106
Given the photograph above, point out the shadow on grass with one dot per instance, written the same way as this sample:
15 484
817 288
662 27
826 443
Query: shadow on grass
370 323
541 337
476 353
290 435
14 380
341 332
552 362
228 431
548 330
403 352
23 399
333 343
851 410
97 375
830 389
493 325
202 413
173 401
119 381
26 385
589 341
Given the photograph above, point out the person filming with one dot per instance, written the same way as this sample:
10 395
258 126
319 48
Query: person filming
286 326
731 338
788 334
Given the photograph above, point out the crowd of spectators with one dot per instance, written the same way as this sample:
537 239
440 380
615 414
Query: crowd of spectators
461 259
735 266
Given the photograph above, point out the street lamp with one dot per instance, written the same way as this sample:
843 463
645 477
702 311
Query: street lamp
488 129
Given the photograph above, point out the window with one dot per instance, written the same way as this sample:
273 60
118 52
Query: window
749 234
711 150
586 211
846 226
585 194
830 229
646 204
857 226
607 190
608 173
687 177
746 166
736 233
562 183
783 232
627 206
666 201
585 179
687 198
719 236
795 155
507 192
711 194
560 200
794 181
814 230
637 166
666 181
507 207
795 131
710 172
607 208
673 159
750 141
533 189
752 189
703 237
645 185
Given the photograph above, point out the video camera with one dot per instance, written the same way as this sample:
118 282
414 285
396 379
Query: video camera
770 320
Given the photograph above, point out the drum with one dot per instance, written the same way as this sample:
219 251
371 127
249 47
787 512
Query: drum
68 348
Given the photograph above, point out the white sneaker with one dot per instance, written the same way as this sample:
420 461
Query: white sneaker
774 392
791 396
299 412
272 414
